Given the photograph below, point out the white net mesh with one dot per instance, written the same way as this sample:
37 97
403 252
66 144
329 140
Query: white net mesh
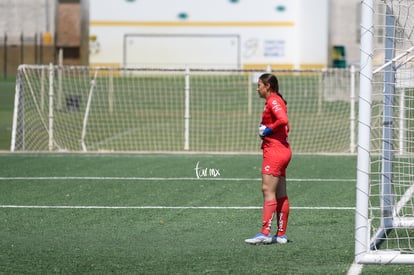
391 204
138 109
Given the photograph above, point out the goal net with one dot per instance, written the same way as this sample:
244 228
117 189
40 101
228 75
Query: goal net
384 230
59 108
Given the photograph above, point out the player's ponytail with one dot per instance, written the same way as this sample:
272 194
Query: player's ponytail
273 82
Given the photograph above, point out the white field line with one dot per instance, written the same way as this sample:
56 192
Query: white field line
164 179
167 179
164 207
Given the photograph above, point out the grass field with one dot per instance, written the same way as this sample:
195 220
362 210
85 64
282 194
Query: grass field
150 214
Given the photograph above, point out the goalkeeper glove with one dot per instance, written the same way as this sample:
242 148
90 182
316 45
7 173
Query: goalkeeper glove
266 132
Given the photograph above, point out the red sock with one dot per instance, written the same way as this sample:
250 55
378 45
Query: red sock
269 209
282 215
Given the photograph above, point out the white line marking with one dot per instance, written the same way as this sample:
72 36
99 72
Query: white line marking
168 179
163 207
355 269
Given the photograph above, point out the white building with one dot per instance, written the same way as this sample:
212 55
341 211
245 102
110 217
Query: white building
228 33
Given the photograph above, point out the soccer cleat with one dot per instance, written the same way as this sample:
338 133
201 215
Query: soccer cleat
280 239
260 239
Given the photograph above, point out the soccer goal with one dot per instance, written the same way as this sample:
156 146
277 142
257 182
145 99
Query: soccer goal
102 109
384 229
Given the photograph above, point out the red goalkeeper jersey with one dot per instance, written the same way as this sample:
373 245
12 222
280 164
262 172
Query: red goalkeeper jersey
275 117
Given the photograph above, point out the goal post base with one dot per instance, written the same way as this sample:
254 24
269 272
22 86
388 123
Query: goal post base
385 257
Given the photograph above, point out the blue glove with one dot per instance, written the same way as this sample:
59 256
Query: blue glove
267 132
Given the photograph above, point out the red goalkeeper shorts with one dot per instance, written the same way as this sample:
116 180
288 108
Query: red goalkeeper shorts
275 160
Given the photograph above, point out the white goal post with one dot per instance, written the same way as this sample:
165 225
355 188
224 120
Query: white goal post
103 109
384 221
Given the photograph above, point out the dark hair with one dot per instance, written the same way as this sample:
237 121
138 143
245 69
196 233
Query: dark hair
273 82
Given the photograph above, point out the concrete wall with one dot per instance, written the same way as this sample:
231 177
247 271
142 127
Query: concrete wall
26 16
33 31
26 28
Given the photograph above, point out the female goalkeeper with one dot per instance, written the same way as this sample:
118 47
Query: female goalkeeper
274 131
